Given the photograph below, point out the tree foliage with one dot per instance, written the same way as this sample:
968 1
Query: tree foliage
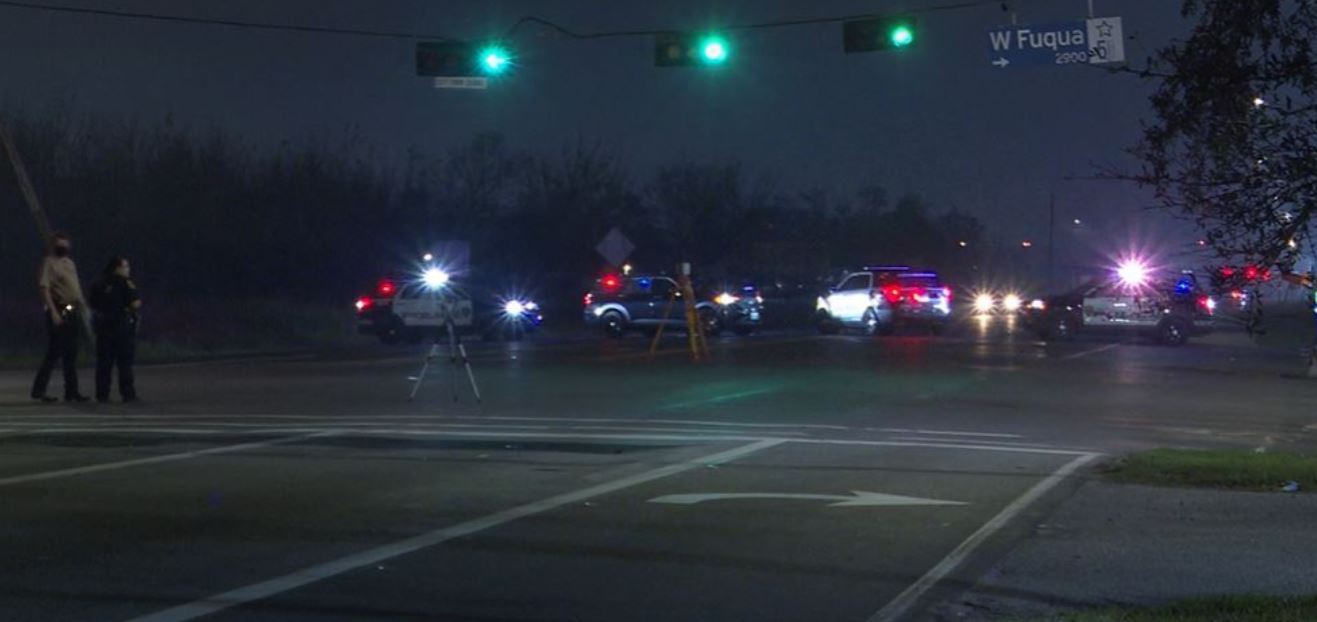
1233 141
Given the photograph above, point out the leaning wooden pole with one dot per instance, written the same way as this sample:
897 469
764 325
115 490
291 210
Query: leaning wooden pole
24 182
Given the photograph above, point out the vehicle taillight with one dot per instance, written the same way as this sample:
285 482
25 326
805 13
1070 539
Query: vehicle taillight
589 299
892 294
918 294
385 288
1207 304
363 304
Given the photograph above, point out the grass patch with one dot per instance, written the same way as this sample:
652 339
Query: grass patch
1224 468
1216 609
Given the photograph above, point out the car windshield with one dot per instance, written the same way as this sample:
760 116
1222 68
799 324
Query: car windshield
636 310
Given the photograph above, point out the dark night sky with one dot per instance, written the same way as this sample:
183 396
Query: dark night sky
935 119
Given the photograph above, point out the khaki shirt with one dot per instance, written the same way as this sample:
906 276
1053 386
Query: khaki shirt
60 276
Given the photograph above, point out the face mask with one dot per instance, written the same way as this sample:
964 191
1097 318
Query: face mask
61 251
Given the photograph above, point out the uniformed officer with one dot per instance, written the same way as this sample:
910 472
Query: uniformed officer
114 298
61 294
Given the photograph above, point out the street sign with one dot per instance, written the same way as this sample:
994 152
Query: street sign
1098 40
615 247
857 498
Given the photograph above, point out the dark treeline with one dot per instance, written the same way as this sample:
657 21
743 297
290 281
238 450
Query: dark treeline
206 216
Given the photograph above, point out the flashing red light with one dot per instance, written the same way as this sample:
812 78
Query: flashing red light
363 304
385 288
1251 273
892 294
589 299
946 293
1227 271
610 282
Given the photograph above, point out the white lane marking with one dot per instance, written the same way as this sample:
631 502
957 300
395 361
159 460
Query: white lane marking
625 428
269 358
123 464
900 605
1088 352
857 498
945 445
279 585
733 424
944 432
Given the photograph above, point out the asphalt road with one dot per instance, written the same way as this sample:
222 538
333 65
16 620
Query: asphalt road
789 477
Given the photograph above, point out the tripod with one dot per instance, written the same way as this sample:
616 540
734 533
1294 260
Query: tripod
455 350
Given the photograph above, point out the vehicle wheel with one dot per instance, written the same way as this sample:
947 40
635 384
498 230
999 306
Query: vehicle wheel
1060 328
826 325
870 323
391 332
745 331
712 324
1173 332
614 324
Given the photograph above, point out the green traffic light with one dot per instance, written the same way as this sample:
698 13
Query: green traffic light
494 60
901 36
713 50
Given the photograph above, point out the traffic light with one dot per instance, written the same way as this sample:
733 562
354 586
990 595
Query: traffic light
685 49
881 33
456 59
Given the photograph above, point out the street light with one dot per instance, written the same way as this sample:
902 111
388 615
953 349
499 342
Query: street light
1026 244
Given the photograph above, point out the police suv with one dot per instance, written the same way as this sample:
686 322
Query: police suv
419 308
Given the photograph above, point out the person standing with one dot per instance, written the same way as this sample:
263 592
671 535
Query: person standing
61 294
115 301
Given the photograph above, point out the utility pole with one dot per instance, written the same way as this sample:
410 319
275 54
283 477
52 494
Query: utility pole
1051 242
24 183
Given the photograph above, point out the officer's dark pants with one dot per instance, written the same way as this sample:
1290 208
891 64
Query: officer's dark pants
62 346
116 346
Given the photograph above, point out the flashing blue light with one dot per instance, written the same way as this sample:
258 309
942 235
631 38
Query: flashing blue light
1184 286
644 282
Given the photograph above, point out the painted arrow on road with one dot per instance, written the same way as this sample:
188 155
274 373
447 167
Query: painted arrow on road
1001 62
855 499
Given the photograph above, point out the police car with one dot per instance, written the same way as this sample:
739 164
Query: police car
619 304
879 298
1170 310
421 307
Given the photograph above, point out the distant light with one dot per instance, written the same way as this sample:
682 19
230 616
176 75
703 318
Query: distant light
1293 243
1132 273
626 268
1202 242
962 243
1012 302
1038 304
1258 102
726 299
1027 244
427 257
1078 221
434 278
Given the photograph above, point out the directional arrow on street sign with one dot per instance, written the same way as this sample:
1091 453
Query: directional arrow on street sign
855 499
1001 62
